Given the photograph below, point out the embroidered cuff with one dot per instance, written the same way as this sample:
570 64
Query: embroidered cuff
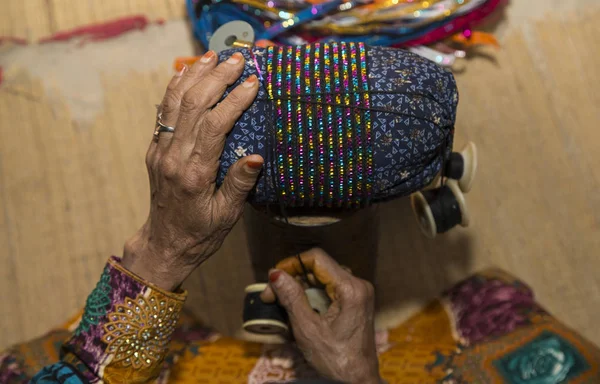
125 330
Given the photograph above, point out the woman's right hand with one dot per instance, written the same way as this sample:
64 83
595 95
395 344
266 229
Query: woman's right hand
340 344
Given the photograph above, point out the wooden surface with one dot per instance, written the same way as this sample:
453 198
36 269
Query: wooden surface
75 123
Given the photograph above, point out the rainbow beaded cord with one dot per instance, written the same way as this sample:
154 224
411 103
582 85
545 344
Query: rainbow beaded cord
367 119
323 149
339 121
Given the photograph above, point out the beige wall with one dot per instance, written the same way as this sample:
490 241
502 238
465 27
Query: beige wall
75 122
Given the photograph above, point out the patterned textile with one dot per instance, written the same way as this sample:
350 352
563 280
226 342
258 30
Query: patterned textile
486 329
121 336
412 109
59 373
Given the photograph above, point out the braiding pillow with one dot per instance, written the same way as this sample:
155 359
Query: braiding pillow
342 125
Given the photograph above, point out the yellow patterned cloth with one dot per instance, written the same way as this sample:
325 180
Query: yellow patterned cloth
486 329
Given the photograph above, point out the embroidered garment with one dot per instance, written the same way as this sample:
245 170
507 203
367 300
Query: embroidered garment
121 336
486 329
343 124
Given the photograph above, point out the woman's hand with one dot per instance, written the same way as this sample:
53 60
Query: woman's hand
189 217
341 343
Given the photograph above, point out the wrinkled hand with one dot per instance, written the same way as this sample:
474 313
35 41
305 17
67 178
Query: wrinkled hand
341 343
189 217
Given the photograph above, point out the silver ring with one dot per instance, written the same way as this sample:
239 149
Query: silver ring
160 127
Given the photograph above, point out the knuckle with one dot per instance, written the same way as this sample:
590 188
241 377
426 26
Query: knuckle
369 290
346 291
189 102
218 74
168 167
212 124
290 295
215 120
195 70
188 184
233 101
172 86
356 291
361 292
321 257
149 157
171 101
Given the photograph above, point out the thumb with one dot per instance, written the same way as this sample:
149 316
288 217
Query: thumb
291 296
241 178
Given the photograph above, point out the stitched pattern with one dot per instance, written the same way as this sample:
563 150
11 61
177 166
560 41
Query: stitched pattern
139 330
96 304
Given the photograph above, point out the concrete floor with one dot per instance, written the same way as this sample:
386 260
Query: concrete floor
75 122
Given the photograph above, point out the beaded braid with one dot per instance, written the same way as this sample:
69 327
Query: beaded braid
323 148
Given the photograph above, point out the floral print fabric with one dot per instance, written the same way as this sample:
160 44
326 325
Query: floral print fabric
486 329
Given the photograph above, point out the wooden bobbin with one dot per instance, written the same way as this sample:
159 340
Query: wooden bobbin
462 166
271 319
260 317
428 222
234 34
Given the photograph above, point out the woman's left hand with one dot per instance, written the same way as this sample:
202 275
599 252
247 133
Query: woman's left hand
189 217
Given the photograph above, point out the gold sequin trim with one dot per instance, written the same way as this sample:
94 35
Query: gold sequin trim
139 330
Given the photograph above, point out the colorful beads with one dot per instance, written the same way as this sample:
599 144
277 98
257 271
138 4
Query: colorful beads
289 126
367 118
323 149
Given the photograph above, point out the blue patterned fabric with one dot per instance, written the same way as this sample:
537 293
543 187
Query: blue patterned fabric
59 373
413 103
548 359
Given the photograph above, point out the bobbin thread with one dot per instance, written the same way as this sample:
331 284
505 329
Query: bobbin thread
441 209
271 318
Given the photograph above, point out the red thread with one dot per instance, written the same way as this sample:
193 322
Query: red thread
102 31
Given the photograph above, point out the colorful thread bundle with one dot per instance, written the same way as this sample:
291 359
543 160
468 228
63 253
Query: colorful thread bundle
397 23
323 154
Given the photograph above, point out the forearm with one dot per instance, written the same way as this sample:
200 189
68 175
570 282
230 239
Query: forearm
124 331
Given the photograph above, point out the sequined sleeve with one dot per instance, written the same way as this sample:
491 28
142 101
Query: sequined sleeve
123 334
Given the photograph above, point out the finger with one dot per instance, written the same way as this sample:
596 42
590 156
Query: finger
179 85
165 105
219 121
268 295
326 270
241 178
203 96
291 296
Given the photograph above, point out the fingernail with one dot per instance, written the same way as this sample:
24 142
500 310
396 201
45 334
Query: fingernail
274 275
208 56
181 70
250 81
235 58
254 165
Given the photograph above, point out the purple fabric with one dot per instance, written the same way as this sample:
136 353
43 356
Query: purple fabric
10 371
489 308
